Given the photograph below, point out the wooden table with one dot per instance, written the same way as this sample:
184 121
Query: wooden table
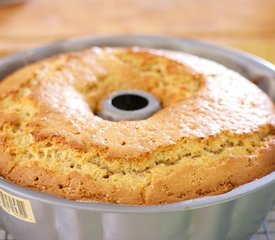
245 24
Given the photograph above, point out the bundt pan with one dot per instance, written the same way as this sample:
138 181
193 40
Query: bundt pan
235 215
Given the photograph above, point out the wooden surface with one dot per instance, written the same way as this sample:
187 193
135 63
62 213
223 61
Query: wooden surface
245 24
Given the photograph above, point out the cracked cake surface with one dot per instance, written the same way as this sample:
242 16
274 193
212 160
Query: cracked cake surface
215 130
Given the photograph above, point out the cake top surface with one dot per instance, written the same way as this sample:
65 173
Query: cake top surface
58 100
213 125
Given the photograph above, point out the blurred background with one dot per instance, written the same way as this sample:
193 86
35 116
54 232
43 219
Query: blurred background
248 25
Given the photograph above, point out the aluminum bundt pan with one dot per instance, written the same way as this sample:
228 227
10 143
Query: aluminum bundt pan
235 215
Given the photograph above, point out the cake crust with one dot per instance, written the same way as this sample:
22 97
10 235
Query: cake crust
215 131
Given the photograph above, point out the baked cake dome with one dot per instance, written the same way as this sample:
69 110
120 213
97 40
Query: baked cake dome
214 132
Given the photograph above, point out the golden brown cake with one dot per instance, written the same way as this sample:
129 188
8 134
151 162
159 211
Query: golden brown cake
215 130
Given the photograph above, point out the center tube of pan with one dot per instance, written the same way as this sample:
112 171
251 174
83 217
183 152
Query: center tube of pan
129 105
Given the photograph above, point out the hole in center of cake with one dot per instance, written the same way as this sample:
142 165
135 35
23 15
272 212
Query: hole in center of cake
129 105
129 102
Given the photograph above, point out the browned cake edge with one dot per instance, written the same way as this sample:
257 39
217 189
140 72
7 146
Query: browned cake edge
184 183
